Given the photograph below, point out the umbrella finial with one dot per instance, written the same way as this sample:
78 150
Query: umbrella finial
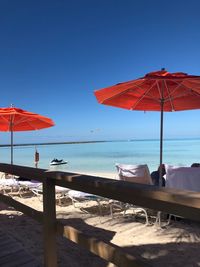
11 105
162 69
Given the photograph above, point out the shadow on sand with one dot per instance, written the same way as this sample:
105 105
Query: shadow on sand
29 234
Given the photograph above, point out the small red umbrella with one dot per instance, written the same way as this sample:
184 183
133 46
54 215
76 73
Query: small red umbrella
156 91
15 119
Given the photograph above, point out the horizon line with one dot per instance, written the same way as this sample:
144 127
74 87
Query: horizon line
98 141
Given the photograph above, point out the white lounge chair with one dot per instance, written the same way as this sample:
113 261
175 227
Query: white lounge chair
61 192
182 178
28 186
78 196
8 185
134 174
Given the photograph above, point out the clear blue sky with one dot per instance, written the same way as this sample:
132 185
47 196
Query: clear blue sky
55 53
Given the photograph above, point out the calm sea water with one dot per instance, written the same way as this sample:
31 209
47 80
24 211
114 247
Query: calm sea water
102 157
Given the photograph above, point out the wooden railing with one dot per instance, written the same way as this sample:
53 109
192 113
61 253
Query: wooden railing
182 203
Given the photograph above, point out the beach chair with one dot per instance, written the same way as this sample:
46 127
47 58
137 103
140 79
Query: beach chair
28 186
5 175
134 174
9 185
181 178
78 197
61 192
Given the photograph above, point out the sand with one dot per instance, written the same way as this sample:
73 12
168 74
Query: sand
111 175
174 245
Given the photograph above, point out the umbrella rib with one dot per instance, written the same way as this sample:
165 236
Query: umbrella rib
11 122
175 89
190 89
159 91
6 120
121 93
26 119
145 94
22 119
28 122
32 126
3 118
169 96
182 93
150 96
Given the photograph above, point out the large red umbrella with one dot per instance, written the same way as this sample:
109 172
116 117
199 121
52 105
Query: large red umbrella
14 119
156 91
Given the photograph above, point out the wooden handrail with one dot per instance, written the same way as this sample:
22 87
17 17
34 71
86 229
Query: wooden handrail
34 214
183 203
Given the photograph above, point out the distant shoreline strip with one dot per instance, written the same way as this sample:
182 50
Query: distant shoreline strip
54 143
102 141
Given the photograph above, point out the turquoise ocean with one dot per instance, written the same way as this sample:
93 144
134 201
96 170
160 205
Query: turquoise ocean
101 157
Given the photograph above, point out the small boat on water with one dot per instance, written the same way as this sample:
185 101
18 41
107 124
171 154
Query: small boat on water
57 162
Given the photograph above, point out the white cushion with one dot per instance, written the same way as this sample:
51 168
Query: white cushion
186 178
8 182
60 189
134 173
81 195
30 184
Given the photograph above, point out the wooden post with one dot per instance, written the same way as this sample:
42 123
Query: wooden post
37 158
49 222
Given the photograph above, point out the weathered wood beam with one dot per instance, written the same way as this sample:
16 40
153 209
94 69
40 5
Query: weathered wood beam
49 223
34 214
28 172
109 252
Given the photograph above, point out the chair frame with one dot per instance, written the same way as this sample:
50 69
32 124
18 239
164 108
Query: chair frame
125 206
77 199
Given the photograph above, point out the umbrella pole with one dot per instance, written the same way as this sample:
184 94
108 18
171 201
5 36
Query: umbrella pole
11 134
161 132
161 143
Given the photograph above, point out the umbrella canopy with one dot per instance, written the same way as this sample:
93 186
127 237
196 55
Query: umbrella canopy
156 91
15 119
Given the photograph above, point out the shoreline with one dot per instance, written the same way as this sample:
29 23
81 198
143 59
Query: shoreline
54 143
99 141
111 175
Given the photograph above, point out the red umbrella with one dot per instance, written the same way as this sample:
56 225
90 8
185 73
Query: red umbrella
156 91
14 119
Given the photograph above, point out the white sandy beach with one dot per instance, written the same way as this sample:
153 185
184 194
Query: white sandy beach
111 175
174 245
